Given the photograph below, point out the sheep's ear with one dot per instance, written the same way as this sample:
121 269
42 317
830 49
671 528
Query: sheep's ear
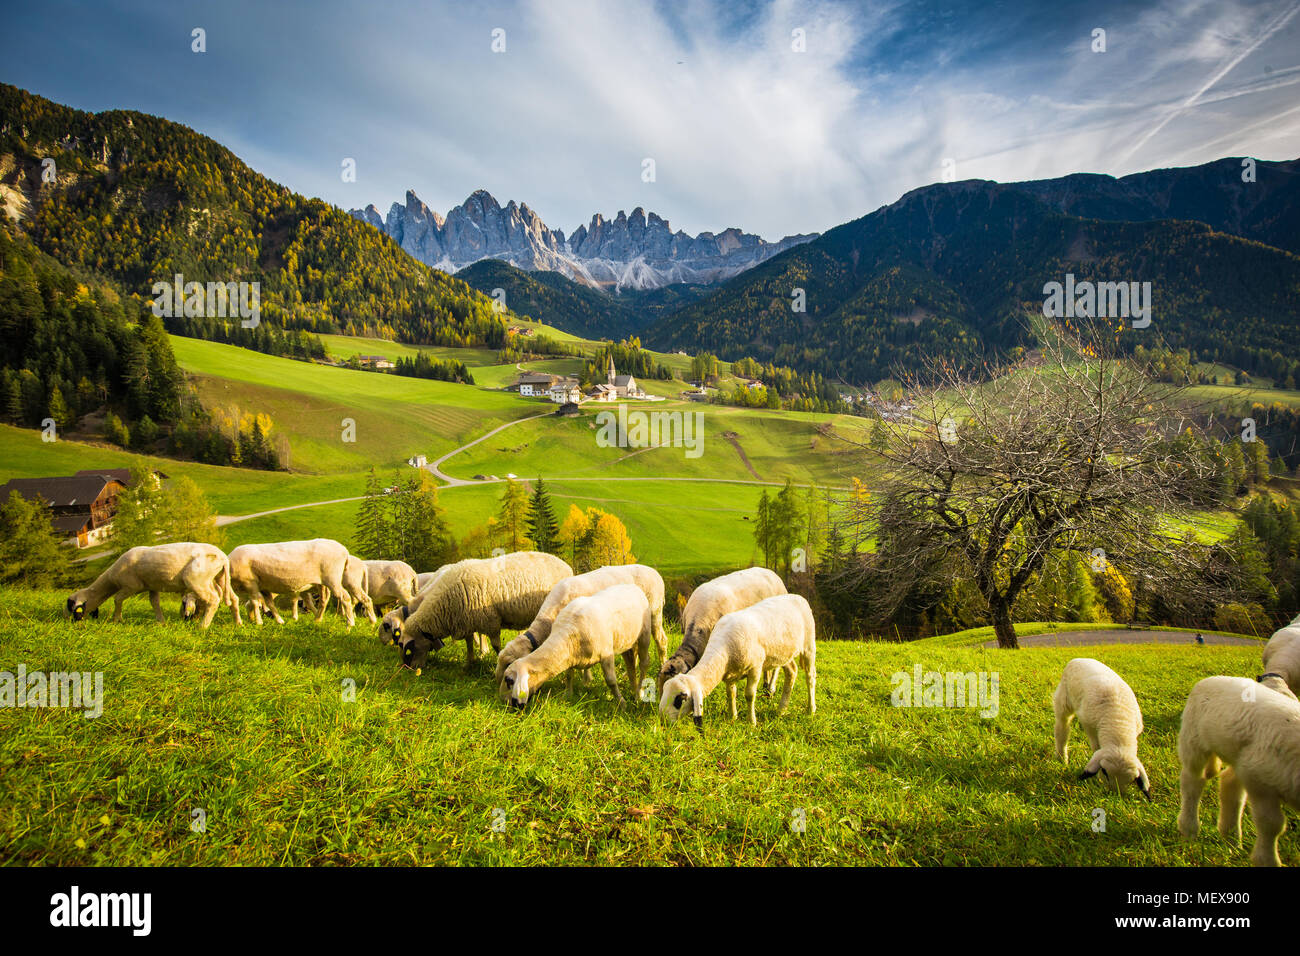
1144 784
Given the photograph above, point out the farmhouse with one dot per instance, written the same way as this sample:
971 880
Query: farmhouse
375 361
82 506
417 461
534 384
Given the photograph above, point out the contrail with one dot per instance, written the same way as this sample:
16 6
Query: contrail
1280 21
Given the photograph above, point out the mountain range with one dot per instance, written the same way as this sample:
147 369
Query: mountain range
638 251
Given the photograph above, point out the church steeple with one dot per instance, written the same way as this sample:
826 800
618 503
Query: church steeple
609 377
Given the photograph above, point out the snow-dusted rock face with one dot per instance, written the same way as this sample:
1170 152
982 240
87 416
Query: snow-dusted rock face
636 251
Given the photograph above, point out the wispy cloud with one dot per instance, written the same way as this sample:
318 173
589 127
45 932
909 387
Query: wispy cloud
744 128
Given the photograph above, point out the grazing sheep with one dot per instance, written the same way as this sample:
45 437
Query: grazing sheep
1282 654
390 628
776 633
589 630
1254 728
202 570
480 595
288 567
390 582
582 585
707 604
1108 712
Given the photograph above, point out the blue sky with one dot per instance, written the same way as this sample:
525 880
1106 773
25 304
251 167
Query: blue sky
744 130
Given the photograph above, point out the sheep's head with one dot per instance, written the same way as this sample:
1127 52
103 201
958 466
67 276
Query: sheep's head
415 651
189 605
681 695
509 654
516 685
76 606
1119 770
1275 681
390 628
672 668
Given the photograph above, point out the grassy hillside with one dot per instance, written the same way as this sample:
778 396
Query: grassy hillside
250 725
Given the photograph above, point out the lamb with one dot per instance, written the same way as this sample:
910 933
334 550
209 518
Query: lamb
589 630
582 585
288 567
1282 654
707 604
1254 728
390 628
1108 712
202 569
775 633
480 595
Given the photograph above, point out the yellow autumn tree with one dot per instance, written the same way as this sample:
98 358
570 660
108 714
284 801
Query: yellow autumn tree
609 542
573 532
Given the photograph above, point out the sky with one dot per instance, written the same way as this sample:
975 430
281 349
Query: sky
778 118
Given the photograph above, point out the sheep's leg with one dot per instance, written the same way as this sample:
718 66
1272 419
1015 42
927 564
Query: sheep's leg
611 678
568 681
769 679
324 603
295 605
1190 784
471 646
731 698
255 609
1061 732
156 600
342 597
118 599
209 595
1266 811
789 672
660 637
629 662
1232 799
751 695
495 637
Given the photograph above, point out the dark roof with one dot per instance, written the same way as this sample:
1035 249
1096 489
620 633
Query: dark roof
121 474
64 492
71 524
532 378
622 380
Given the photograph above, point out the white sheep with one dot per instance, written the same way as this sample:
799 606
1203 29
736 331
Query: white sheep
1108 713
707 604
777 633
582 585
589 630
200 569
390 628
480 596
1254 728
390 582
1282 654
288 567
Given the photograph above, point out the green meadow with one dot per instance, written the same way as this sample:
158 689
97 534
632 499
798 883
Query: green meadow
258 729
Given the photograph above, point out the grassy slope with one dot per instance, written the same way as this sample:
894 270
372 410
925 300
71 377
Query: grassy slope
250 726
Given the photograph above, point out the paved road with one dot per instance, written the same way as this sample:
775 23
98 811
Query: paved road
453 482
231 519
1078 638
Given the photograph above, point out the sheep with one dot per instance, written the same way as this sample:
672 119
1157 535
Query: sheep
480 595
707 604
390 628
1282 654
288 567
1108 712
390 582
589 630
775 633
1254 728
202 570
582 585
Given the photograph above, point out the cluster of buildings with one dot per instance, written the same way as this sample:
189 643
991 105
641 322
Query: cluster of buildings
83 504
563 390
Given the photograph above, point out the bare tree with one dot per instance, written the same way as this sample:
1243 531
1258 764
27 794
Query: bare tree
1071 450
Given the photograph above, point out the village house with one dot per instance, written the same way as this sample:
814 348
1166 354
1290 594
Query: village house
417 461
534 384
375 361
565 391
82 505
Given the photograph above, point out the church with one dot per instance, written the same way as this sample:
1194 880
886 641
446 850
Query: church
616 386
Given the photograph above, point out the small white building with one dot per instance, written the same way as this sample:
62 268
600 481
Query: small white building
535 384
417 461
565 390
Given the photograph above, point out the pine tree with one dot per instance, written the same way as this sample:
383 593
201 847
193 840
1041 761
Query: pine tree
513 516
543 528
30 552
372 526
763 527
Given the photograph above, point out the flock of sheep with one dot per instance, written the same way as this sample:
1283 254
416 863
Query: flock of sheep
740 628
